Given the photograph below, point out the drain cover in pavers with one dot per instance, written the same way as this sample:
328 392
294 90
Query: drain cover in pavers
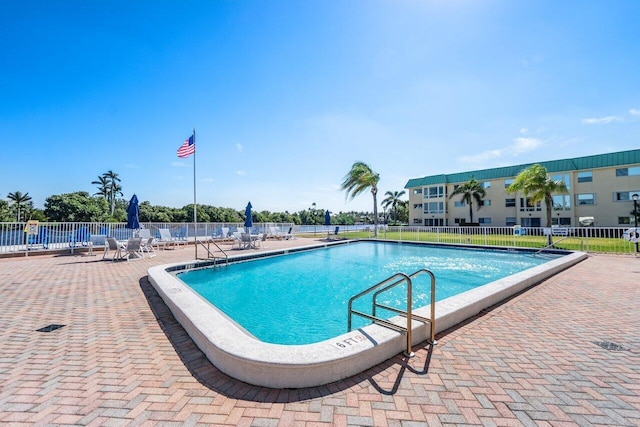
607 345
50 328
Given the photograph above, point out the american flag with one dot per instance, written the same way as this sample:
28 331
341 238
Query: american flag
187 148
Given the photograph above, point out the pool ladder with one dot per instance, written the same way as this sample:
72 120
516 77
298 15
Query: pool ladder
210 254
388 284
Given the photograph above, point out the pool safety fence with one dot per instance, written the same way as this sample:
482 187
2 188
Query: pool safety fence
23 238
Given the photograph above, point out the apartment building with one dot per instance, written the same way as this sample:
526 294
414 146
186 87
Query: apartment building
600 194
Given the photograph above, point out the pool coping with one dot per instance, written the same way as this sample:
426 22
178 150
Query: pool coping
245 358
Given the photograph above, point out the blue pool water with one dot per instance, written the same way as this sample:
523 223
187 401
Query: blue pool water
303 297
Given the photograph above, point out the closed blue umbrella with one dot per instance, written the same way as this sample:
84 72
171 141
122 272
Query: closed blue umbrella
327 218
248 220
133 212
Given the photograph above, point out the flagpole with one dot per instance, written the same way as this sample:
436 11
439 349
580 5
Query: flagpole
195 206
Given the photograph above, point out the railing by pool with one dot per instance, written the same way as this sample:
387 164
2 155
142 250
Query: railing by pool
57 236
72 236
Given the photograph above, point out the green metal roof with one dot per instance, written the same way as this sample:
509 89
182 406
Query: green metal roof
619 158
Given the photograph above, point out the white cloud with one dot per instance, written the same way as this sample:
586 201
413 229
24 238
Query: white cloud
634 112
239 147
519 146
601 120
241 173
524 131
524 145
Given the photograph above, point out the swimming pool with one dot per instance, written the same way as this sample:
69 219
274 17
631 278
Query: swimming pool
235 352
302 298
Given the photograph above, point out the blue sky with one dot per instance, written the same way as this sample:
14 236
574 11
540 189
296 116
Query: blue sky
286 95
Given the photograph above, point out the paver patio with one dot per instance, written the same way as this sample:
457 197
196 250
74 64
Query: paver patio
122 359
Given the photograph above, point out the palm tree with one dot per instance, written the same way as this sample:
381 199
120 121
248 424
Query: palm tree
393 200
470 190
103 186
109 188
359 179
534 182
19 199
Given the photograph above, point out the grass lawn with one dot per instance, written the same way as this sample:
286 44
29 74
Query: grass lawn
587 244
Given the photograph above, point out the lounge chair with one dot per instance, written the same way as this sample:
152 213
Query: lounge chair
222 234
237 239
97 241
133 247
331 235
248 240
289 234
180 236
147 246
165 238
113 245
79 238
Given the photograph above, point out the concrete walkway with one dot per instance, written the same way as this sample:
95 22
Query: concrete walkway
120 358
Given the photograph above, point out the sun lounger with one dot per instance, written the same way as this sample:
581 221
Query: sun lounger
165 238
330 235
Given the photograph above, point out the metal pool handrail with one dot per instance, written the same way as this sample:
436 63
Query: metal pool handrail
387 284
211 254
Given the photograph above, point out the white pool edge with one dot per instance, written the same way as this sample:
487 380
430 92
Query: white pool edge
295 366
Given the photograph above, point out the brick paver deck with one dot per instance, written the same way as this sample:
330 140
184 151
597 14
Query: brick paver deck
122 359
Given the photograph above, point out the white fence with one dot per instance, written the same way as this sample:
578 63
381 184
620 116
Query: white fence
587 239
56 236
76 235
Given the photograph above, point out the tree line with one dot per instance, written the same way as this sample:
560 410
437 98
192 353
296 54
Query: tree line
107 205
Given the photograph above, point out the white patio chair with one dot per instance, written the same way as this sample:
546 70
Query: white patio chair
113 245
165 238
237 239
147 246
133 247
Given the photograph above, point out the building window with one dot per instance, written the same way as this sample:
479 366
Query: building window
562 202
486 203
585 176
417 220
528 205
509 203
586 199
459 204
508 182
434 207
417 191
628 171
417 206
511 221
563 178
485 221
486 184
434 192
459 220
624 196
561 221
625 220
